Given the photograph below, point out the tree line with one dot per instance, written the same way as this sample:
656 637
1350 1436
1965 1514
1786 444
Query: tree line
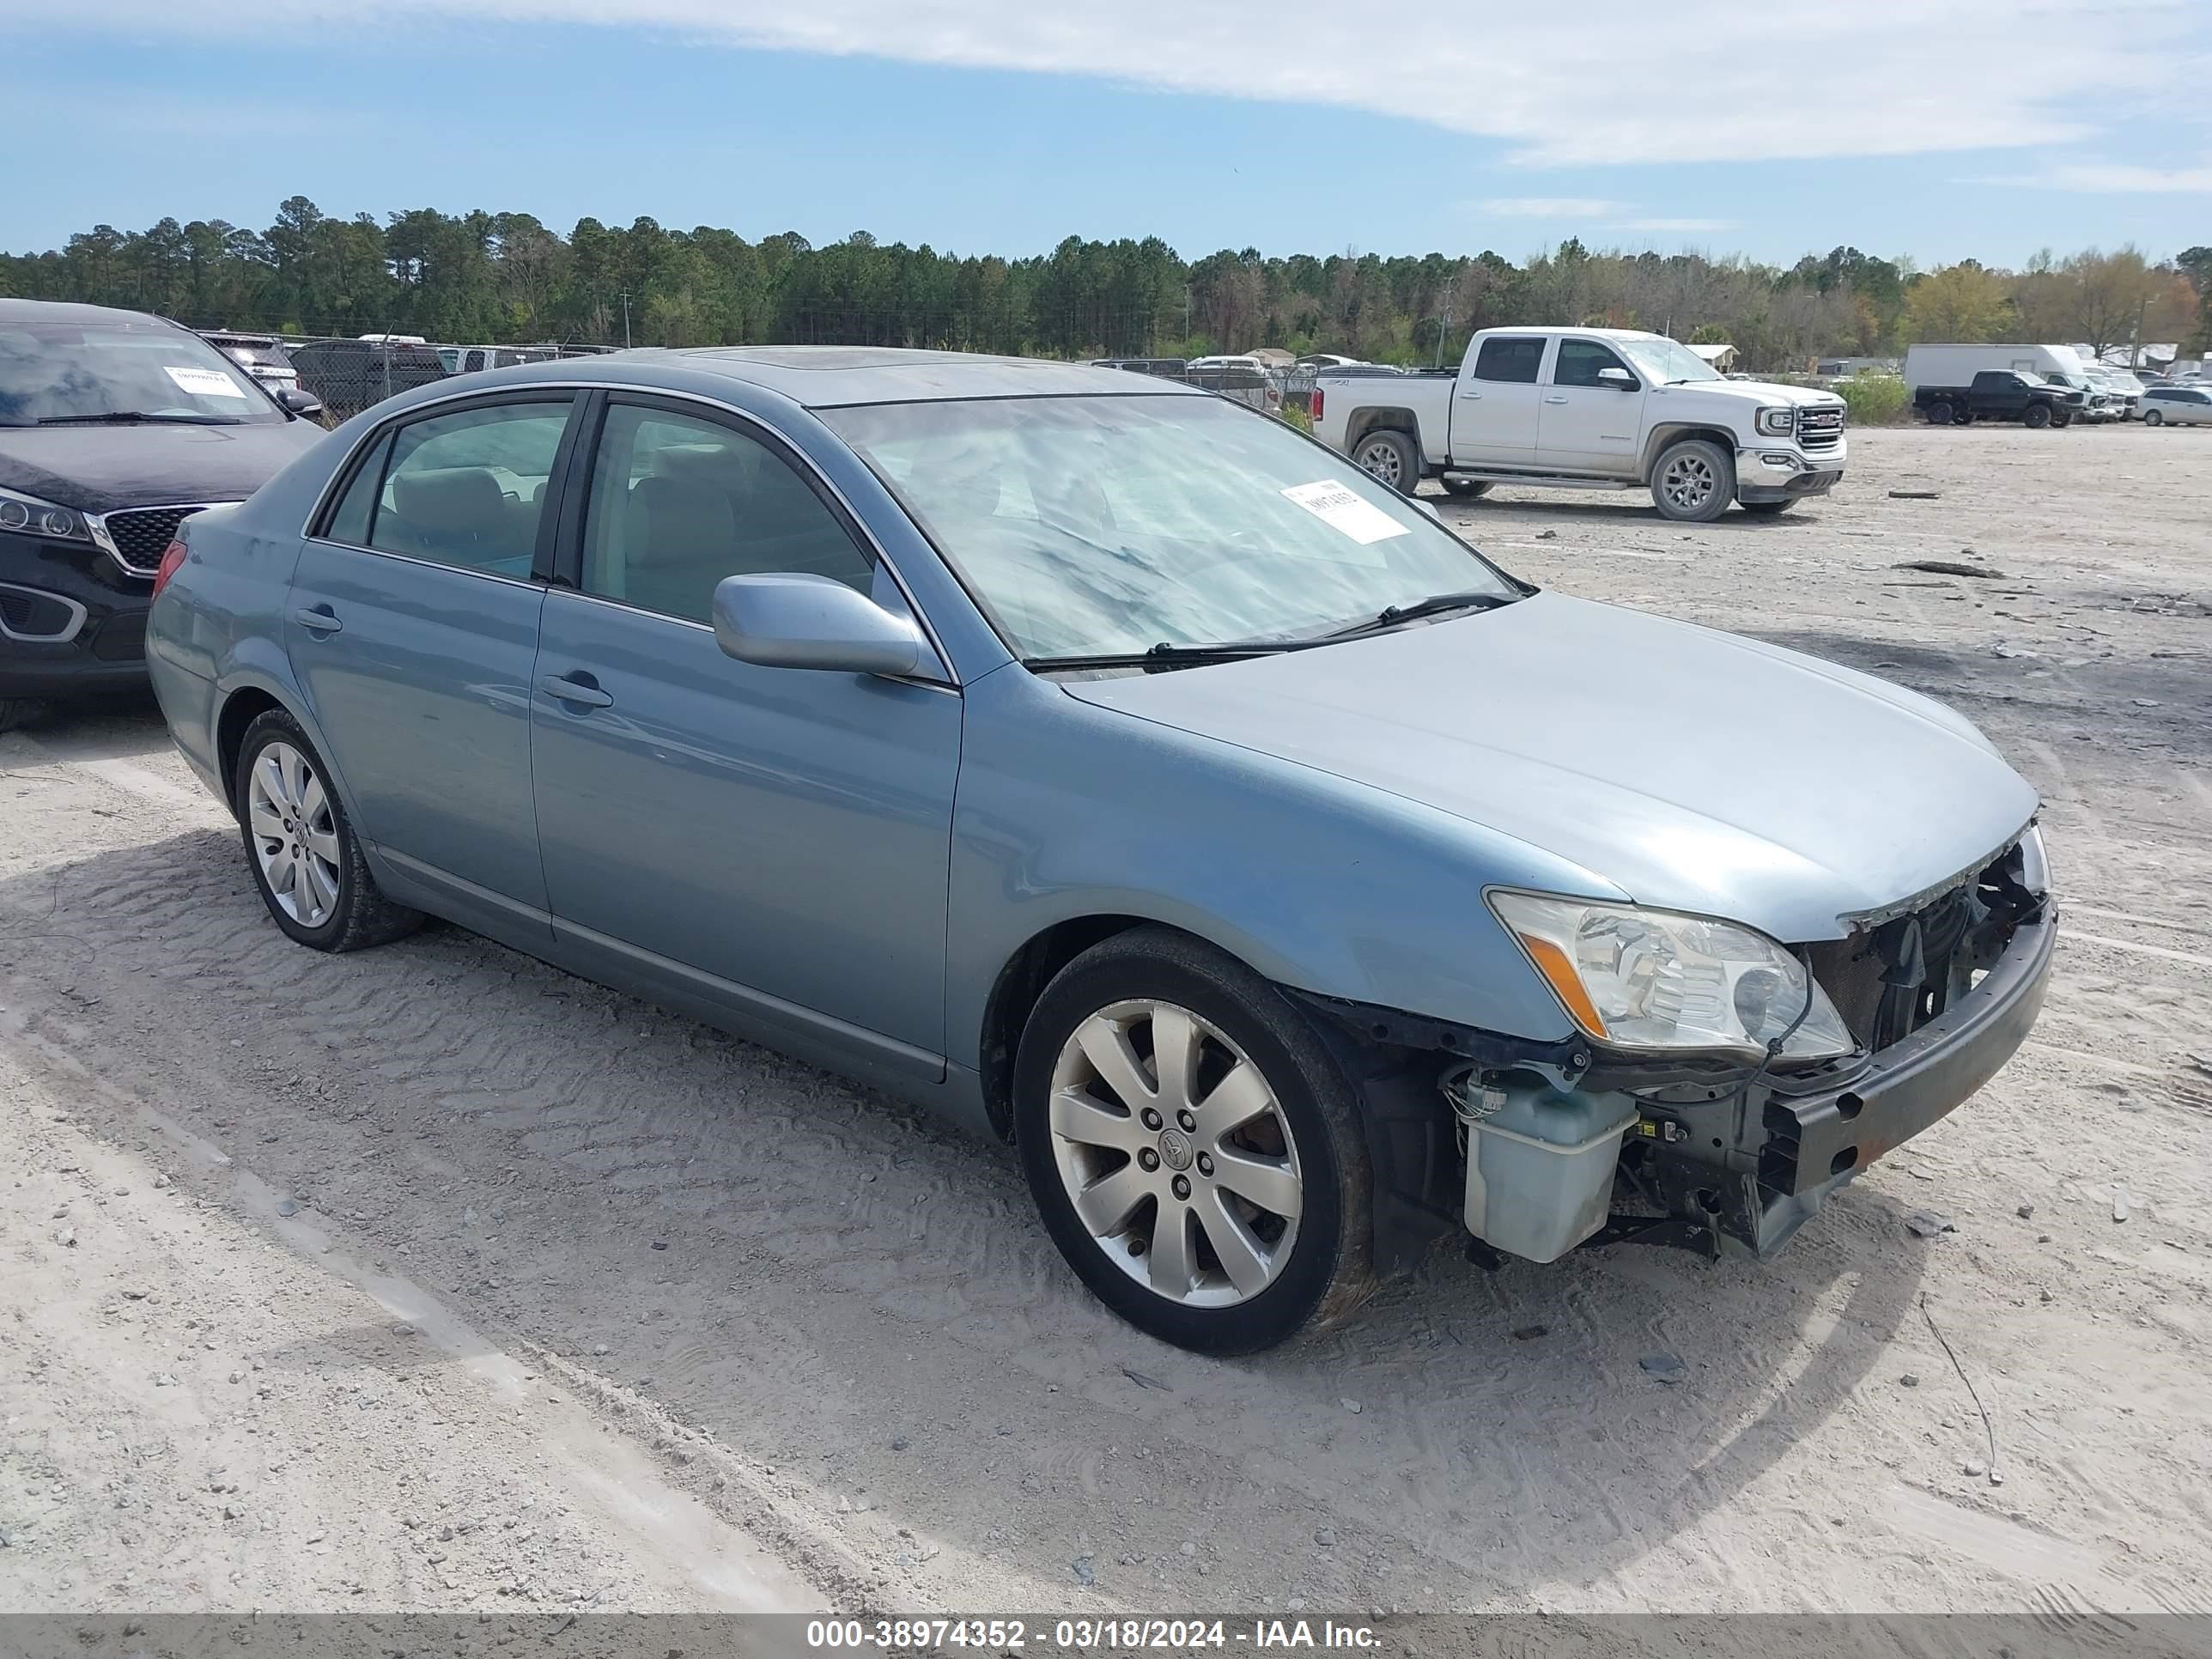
506 277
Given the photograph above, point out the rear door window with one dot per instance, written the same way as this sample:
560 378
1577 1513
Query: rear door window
1514 359
468 488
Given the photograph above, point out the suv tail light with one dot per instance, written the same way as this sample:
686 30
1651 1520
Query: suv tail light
172 557
1313 408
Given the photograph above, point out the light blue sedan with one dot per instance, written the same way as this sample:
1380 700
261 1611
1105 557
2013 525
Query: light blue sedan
1128 778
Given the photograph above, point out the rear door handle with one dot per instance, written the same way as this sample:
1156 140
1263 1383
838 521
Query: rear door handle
1555 399
562 689
317 619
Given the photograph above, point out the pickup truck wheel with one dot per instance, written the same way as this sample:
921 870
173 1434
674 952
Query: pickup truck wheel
12 711
1192 1145
1390 457
2151 418
1768 509
2062 417
2037 415
1964 418
1939 413
1694 481
1465 489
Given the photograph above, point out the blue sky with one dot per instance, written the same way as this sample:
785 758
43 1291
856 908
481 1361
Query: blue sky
1003 125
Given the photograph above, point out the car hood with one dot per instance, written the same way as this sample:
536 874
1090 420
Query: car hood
1765 392
98 469
1682 768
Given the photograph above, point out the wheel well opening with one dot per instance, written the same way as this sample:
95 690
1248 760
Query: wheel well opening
1666 439
1020 983
230 734
1366 422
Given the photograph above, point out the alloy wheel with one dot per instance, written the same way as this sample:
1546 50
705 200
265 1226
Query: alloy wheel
296 841
1176 1154
1688 482
1381 460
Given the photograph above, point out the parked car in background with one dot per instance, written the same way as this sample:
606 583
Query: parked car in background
114 428
2122 387
1123 777
2002 394
1589 408
1242 379
261 356
473 359
2177 405
347 376
1941 365
1171 369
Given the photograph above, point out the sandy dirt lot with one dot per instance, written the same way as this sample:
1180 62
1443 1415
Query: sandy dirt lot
431 1277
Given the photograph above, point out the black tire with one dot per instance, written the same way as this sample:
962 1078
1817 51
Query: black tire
361 915
2037 415
1390 457
1963 417
2062 417
1939 413
1706 487
13 712
1326 1271
2151 418
1467 489
1766 509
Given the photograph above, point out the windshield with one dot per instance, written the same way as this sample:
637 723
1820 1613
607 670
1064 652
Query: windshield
1105 527
85 372
1665 360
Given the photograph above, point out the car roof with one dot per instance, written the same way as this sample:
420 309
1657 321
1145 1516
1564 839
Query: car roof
66 311
834 377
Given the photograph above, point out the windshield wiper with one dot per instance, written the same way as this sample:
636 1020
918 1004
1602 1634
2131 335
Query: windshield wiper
137 417
1166 654
1436 605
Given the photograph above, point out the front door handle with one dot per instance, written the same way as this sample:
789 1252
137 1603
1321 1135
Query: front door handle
317 619
562 688
1471 397
1555 398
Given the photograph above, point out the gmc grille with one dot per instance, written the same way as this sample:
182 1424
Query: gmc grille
140 535
1820 428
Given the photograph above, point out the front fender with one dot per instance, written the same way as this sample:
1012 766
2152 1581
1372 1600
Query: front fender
1067 810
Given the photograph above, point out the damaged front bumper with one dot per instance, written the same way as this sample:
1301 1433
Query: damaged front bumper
1721 1160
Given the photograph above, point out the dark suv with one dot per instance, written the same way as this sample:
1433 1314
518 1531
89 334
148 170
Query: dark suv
113 426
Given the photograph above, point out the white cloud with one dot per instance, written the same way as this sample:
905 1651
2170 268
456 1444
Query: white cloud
2114 177
1546 206
1604 83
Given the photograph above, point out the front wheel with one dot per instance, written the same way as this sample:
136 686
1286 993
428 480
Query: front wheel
2151 418
1694 481
1194 1150
1965 417
1467 489
2037 415
1390 456
307 862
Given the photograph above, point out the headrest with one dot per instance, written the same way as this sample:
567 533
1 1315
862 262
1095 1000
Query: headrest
461 501
675 521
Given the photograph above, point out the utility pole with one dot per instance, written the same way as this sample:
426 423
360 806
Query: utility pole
625 300
1444 327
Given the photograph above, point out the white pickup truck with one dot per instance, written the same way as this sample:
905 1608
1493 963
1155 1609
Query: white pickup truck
1590 408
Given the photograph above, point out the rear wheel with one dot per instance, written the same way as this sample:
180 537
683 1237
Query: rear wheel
1192 1146
2038 416
2151 418
1939 413
303 854
1390 457
1693 482
1465 489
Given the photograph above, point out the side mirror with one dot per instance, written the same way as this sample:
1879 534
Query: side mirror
1619 379
799 621
301 404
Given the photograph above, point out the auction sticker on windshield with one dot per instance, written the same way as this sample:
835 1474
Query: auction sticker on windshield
204 382
1346 512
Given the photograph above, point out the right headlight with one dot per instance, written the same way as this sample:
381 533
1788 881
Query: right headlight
1659 980
26 515
1777 423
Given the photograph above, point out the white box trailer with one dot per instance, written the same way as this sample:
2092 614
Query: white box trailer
1957 365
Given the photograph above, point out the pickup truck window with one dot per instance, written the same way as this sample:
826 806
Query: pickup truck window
1580 362
1511 358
